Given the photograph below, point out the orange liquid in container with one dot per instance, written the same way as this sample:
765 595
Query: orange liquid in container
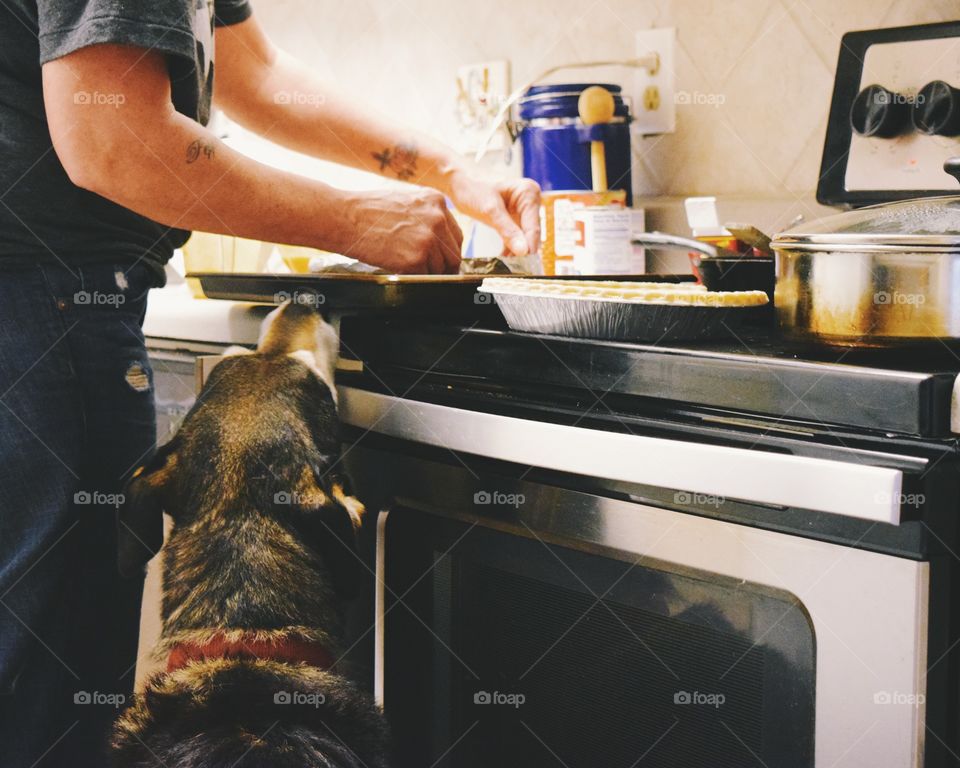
558 226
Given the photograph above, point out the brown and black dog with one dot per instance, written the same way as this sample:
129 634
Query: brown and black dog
256 570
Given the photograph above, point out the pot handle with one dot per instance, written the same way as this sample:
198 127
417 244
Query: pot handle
952 166
656 240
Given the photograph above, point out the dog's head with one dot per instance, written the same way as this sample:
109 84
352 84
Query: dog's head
260 448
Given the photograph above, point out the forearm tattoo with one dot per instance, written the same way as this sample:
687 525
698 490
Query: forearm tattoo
199 148
401 160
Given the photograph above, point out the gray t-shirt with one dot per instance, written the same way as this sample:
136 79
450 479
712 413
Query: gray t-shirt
43 216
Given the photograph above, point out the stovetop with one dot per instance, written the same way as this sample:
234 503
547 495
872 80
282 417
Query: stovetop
907 392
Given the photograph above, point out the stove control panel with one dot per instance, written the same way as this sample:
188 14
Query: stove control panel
895 116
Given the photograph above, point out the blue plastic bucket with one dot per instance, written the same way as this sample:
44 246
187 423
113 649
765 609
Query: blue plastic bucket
556 144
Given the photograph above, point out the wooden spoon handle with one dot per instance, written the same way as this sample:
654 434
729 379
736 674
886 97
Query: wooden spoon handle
598 166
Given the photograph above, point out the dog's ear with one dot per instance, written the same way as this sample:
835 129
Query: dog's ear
331 518
140 518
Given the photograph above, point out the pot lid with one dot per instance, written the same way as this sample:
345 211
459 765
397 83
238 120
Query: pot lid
931 223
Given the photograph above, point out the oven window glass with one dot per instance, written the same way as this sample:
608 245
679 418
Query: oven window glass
504 651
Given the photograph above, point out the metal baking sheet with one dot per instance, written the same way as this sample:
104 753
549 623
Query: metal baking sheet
425 294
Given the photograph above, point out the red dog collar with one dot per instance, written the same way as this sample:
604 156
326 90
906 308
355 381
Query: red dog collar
289 650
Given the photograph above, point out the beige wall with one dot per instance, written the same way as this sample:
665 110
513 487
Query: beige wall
772 60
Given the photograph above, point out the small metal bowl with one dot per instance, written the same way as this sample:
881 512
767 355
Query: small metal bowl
735 273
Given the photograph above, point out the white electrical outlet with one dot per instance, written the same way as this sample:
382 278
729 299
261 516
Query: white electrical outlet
654 94
481 90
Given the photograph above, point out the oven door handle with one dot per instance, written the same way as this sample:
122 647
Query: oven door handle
823 485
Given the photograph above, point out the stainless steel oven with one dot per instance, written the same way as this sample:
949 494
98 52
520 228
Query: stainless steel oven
553 594
726 558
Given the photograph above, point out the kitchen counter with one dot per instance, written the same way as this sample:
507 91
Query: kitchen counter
174 314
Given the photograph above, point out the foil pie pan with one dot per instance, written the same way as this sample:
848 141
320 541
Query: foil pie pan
617 320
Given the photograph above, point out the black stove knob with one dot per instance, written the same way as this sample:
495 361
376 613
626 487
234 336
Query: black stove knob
936 110
879 112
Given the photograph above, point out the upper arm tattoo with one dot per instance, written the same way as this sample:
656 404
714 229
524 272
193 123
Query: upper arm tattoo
401 159
199 148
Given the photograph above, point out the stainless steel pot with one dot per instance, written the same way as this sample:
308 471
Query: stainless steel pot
878 276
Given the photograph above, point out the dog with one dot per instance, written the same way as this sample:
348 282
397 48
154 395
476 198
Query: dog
257 570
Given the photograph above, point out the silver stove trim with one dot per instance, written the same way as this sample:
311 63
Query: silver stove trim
842 488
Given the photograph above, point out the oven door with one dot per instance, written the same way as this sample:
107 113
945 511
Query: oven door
522 623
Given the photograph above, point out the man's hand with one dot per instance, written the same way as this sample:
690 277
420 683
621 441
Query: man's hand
152 160
406 231
511 207
163 165
254 83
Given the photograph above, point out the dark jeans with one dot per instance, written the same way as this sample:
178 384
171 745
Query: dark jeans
76 418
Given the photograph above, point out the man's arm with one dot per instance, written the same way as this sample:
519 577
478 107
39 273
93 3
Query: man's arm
140 153
272 94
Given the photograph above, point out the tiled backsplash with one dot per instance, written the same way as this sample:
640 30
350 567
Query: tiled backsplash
771 60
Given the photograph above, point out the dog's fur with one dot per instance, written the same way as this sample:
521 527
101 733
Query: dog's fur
262 548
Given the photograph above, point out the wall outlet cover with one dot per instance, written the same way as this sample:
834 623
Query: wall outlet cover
481 89
654 95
